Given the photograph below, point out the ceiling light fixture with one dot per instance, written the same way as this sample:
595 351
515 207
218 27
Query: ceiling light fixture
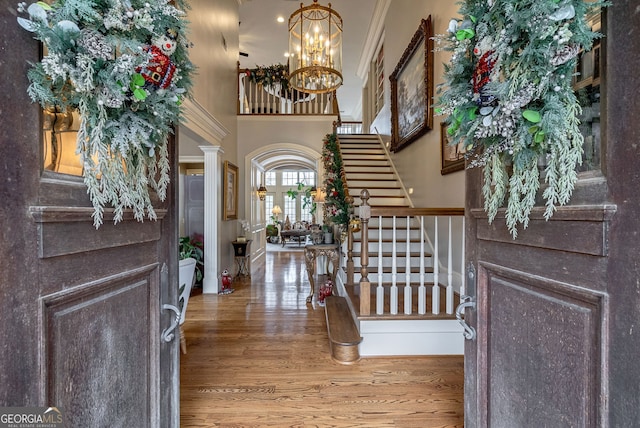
315 33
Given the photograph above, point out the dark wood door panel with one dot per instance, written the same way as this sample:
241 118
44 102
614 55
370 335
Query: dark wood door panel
97 350
570 247
539 339
67 230
80 307
581 229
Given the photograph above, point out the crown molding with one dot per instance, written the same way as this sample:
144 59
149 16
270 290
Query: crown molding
199 121
376 27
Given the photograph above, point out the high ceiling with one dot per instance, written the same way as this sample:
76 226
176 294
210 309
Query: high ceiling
266 41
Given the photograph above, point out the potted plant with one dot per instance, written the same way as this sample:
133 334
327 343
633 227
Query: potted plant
272 233
328 233
193 247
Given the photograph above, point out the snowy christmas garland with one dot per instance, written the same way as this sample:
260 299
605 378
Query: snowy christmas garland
509 98
336 205
123 65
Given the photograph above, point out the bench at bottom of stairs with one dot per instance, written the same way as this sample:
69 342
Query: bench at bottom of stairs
344 337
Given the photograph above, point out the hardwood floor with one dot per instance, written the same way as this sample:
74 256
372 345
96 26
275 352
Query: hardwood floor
259 357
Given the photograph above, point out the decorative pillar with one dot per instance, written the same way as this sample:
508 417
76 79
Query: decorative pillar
212 190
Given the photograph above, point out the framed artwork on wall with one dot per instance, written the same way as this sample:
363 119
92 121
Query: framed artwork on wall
412 89
230 191
452 156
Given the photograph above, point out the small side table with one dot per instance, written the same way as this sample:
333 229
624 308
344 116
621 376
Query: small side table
311 252
242 253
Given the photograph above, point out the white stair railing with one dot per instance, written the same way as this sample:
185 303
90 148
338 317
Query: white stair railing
257 99
420 266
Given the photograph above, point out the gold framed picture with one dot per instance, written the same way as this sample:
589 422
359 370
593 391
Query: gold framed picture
230 191
412 89
452 156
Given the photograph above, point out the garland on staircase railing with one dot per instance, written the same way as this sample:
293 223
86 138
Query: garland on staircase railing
269 76
123 65
509 98
337 208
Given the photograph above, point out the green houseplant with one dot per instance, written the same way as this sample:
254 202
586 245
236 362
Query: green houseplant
272 233
305 192
193 247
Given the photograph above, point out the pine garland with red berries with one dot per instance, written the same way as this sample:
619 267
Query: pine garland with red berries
509 98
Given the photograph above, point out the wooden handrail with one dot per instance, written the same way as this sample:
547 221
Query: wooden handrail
415 212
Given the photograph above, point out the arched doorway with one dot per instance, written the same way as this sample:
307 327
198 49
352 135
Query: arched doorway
275 157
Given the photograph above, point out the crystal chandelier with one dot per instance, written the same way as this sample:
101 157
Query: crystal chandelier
315 49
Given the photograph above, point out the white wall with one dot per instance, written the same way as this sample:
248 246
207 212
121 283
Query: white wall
214 35
419 163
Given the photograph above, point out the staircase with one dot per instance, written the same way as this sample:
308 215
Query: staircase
399 268
367 166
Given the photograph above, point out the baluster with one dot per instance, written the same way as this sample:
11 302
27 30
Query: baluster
380 288
450 273
407 271
365 285
422 290
463 276
255 107
435 290
393 301
247 94
289 102
272 103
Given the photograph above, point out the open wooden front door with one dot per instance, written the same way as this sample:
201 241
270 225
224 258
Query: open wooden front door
81 308
556 309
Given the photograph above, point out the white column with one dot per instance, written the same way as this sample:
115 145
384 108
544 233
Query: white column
212 192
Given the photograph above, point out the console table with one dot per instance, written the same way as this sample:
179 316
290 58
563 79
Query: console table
311 252
242 256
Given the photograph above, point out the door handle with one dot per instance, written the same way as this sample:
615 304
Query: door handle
467 301
167 334
469 332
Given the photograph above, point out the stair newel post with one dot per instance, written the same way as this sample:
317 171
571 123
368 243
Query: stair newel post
350 263
365 285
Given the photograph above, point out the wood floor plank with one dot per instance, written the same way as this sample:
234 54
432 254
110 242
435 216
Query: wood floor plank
260 357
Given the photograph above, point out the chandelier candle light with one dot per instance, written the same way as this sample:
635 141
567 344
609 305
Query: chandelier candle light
315 48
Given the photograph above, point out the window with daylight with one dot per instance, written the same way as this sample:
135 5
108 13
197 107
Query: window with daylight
305 215
270 178
290 206
289 178
268 206
307 177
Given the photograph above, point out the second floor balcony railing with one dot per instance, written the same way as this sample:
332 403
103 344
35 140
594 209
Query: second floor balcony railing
259 99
